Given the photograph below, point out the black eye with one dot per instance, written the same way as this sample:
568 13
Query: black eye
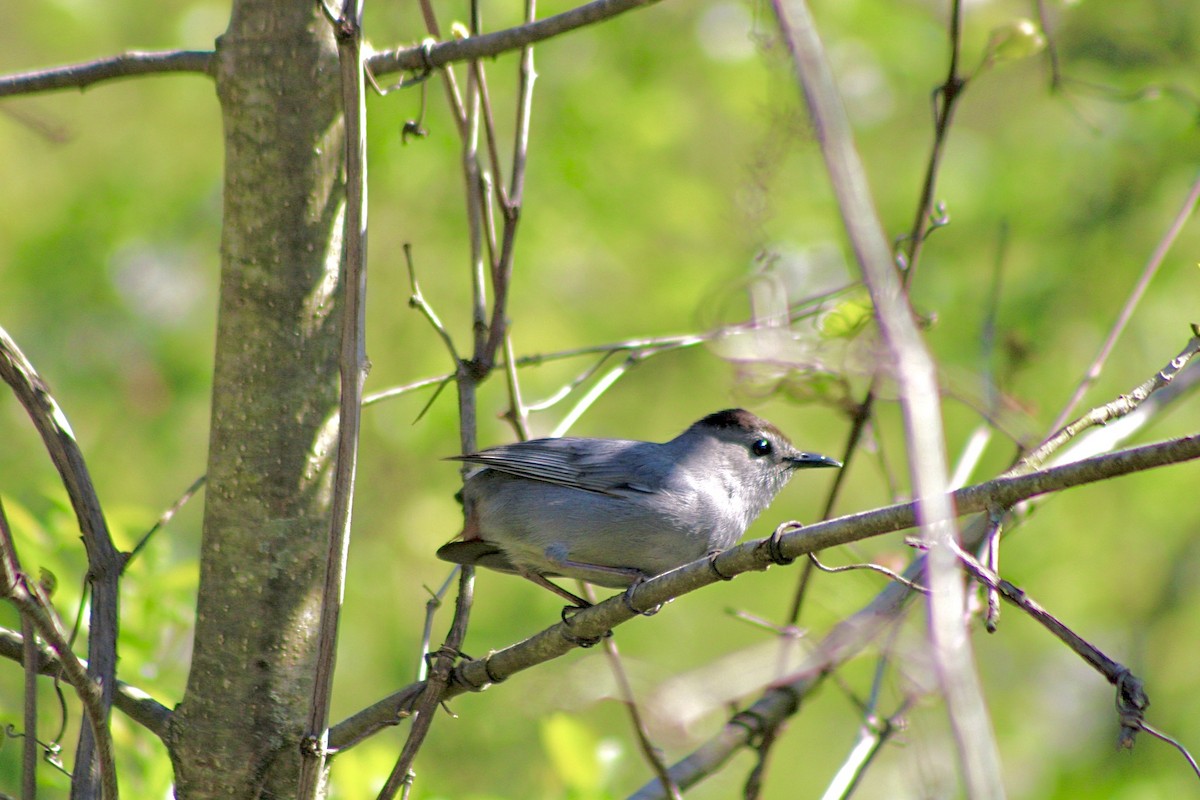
761 447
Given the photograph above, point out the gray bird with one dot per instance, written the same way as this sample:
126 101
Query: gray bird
614 512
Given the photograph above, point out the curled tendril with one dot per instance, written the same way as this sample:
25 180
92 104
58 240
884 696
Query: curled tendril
51 751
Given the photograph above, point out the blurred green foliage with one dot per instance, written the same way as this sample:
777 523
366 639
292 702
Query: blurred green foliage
669 161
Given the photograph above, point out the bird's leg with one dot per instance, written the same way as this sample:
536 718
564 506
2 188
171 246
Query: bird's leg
628 575
541 580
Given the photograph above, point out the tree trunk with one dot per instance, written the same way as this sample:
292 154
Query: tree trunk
266 516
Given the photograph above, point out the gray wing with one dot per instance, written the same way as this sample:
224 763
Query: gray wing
607 466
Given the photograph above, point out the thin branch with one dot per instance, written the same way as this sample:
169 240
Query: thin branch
431 606
512 200
978 755
598 389
489 131
650 752
492 44
29 751
440 54
129 700
435 689
518 412
858 426
352 365
1148 272
166 517
873 734
882 570
945 101
126 65
104 562
1182 750
1119 407
757 555
1131 698
418 301
453 97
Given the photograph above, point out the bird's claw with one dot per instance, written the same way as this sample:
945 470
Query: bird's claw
627 598
568 613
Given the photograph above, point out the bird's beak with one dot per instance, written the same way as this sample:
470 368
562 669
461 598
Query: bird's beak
809 460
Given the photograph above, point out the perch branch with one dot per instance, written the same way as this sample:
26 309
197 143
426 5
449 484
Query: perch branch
758 554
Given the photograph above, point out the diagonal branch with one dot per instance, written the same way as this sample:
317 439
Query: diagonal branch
920 402
492 44
104 562
757 555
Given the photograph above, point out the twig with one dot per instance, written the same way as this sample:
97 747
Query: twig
163 520
492 44
453 98
352 366
1148 272
1157 734
434 689
513 199
431 606
892 575
873 734
991 548
1118 408
489 130
1051 46
945 101
29 749
403 389
858 427
418 301
1131 699
125 65
599 388
757 555
650 752
948 92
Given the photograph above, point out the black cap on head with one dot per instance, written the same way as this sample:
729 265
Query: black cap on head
742 419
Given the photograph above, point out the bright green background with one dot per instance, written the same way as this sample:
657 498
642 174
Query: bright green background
666 153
